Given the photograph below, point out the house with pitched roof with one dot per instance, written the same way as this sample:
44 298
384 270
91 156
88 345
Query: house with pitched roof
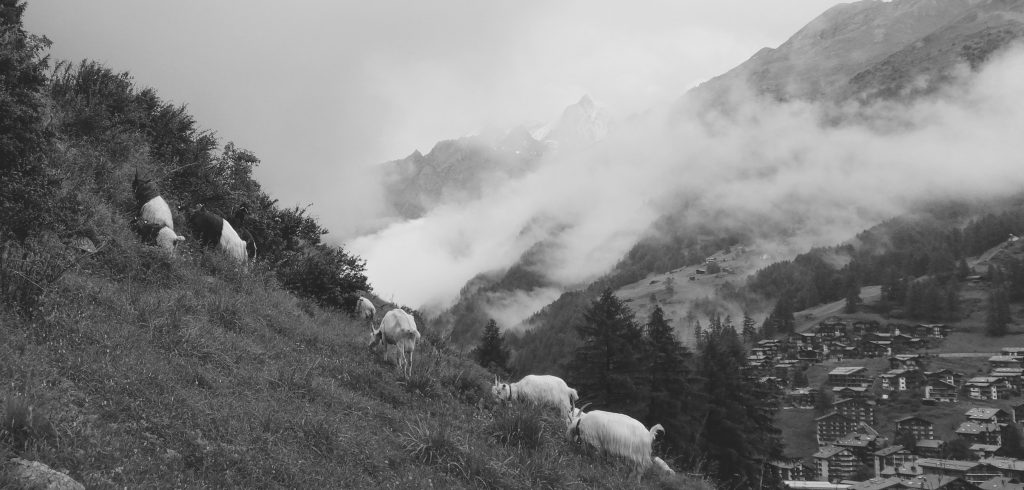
980 433
921 428
835 464
892 457
986 388
832 426
989 415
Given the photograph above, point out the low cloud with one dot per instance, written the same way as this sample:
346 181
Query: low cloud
783 166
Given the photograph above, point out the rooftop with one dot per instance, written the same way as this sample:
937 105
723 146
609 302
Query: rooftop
983 413
847 370
946 464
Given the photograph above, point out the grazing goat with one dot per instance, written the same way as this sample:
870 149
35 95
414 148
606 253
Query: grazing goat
539 389
616 435
160 235
398 328
152 208
214 231
365 310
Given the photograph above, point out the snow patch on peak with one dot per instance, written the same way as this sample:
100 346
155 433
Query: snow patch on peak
581 124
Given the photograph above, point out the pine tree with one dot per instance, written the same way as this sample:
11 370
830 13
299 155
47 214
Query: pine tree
608 367
737 435
671 397
997 318
749 329
491 353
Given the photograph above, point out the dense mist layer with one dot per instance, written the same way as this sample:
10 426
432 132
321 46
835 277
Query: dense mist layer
814 173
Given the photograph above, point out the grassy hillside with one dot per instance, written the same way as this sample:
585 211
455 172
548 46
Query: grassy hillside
125 366
164 372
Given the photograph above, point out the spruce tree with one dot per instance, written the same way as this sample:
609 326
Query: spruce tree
749 328
608 367
737 435
491 353
672 399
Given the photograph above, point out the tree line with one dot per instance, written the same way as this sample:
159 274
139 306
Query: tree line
717 421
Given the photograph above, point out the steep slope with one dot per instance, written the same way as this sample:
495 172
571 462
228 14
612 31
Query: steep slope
874 48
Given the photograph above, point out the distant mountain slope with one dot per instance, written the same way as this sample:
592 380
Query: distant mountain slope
876 49
457 171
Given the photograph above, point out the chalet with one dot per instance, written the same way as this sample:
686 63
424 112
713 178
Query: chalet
973 471
940 391
851 392
1010 467
842 351
770 345
949 376
854 376
930 448
988 415
901 380
803 339
862 326
861 445
905 361
986 388
877 337
833 426
983 451
1017 352
790 469
758 363
1004 362
876 348
857 409
980 433
835 464
934 330
1012 377
826 331
921 428
892 457
801 397
809 355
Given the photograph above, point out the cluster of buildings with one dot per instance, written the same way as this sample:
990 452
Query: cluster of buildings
851 452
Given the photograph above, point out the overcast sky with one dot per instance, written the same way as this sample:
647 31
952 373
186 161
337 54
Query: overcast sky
320 90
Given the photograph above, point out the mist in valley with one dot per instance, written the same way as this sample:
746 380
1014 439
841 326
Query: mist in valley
806 174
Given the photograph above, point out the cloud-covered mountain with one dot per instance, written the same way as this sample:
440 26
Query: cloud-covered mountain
868 110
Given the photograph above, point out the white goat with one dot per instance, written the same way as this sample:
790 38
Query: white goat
365 310
616 435
398 328
541 389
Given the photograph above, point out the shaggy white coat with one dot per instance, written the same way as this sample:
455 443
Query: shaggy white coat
166 239
617 435
541 389
157 212
365 309
398 328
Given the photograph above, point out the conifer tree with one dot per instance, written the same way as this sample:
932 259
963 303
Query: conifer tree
672 400
608 367
737 435
852 297
492 353
749 328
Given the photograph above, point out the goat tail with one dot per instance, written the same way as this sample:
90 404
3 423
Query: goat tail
655 430
573 397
